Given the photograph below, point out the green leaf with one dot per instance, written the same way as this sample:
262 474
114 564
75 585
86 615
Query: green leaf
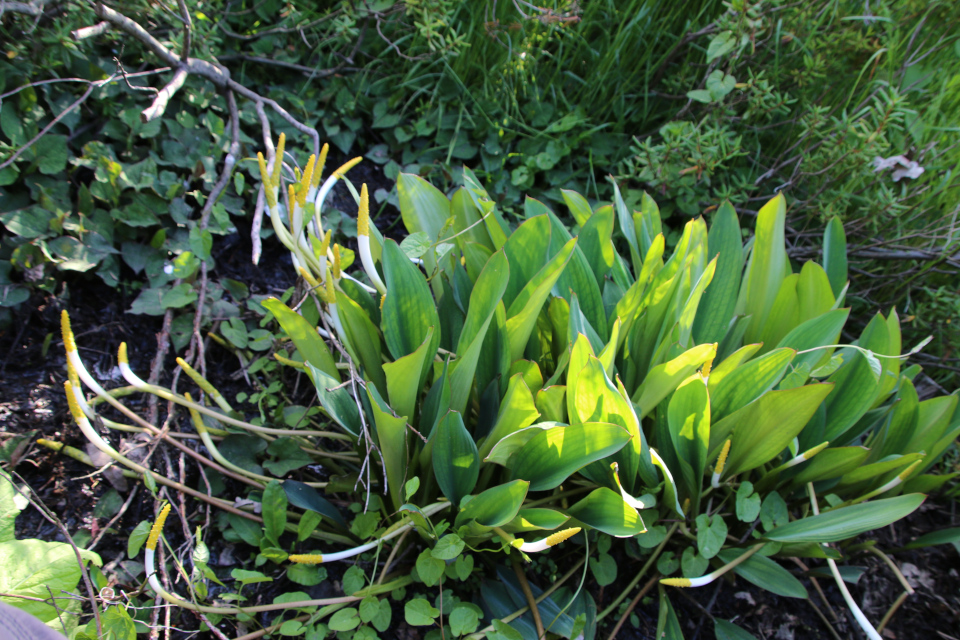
419 613
517 411
289 456
664 378
553 454
625 220
408 310
523 312
748 382
448 547
496 506
748 502
344 620
720 45
597 400
764 428
456 461
309 343
606 511
692 564
30 222
306 497
835 254
604 569
831 463
137 538
353 580
716 308
38 569
668 627
336 400
274 511
362 339
847 522
766 268
422 206
688 418
117 624
944 536
711 534
726 630
376 612
415 244
817 332
578 206
307 575
52 154
465 618
392 438
410 487
596 241
765 573
526 251
855 388
429 568
535 519
484 299
577 278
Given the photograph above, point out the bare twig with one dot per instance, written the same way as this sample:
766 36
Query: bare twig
187 27
89 32
27 8
159 105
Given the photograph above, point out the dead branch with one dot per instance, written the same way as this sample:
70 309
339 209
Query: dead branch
27 8
89 32
159 105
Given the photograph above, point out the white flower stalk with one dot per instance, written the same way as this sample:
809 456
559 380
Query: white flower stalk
721 462
314 185
803 457
710 577
154 581
127 372
363 240
151 549
205 385
393 532
851 603
544 544
893 484
300 201
332 180
91 434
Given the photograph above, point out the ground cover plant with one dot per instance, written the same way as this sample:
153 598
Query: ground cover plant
720 101
529 366
523 419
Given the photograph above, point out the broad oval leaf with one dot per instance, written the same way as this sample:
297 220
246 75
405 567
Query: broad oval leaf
847 522
605 510
497 506
408 310
748 382
456 461
423 207
306 497
309 343
766 574
536 519
552 455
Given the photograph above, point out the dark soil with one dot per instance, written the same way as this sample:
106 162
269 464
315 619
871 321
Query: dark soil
32 372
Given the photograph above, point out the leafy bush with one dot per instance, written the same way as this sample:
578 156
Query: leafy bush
512 382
